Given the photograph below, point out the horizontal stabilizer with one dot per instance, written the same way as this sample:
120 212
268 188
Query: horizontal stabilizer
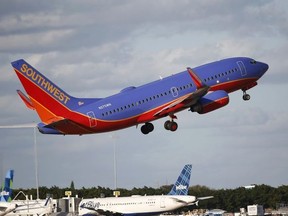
63 126
26 100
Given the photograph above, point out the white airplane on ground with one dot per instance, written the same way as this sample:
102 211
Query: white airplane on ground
144 205
33 207
9 207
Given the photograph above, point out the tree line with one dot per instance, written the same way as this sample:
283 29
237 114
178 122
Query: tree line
230 200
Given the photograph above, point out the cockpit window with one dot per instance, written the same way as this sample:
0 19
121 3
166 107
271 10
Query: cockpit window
252 61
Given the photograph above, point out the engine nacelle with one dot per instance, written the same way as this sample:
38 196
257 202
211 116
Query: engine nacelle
211 101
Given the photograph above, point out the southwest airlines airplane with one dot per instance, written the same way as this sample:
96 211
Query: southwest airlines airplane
201 89
144 205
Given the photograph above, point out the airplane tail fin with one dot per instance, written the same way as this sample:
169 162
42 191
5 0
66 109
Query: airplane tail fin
181 186
6 192
49 100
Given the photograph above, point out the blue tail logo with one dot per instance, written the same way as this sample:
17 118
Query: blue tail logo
181 186
6 192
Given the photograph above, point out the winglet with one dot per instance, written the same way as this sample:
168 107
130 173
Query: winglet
47 200
181 186
26 100
195 78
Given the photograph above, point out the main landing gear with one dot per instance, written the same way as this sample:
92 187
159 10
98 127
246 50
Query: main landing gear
246 96
168 125
147 128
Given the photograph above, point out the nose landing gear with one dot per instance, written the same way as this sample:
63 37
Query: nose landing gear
246 96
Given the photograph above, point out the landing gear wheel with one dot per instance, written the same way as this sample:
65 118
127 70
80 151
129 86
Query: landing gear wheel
173 126
147 128
246 97
170 125
167 125
150 126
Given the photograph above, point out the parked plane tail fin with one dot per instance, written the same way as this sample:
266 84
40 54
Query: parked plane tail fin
181 186
6 192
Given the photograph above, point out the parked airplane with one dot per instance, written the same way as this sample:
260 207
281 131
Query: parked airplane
33 207
6 193
9 207
144 205
201 89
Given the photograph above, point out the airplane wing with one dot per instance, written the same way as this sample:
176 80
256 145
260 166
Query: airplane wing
102 211
179 200
199 199
195 202
6 208
186 101
204 198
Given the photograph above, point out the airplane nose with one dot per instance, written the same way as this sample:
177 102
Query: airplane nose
265 67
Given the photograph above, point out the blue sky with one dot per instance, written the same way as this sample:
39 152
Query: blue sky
96 48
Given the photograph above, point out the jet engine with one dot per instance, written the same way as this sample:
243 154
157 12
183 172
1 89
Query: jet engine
210 102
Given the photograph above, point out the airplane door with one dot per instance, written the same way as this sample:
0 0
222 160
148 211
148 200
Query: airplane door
92 119
242 68
162 202
174 91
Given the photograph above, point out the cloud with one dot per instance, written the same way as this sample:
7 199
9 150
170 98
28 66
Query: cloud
96 48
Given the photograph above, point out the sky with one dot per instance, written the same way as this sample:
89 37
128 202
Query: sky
95 48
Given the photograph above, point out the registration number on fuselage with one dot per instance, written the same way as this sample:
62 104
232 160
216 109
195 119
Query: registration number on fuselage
104 106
